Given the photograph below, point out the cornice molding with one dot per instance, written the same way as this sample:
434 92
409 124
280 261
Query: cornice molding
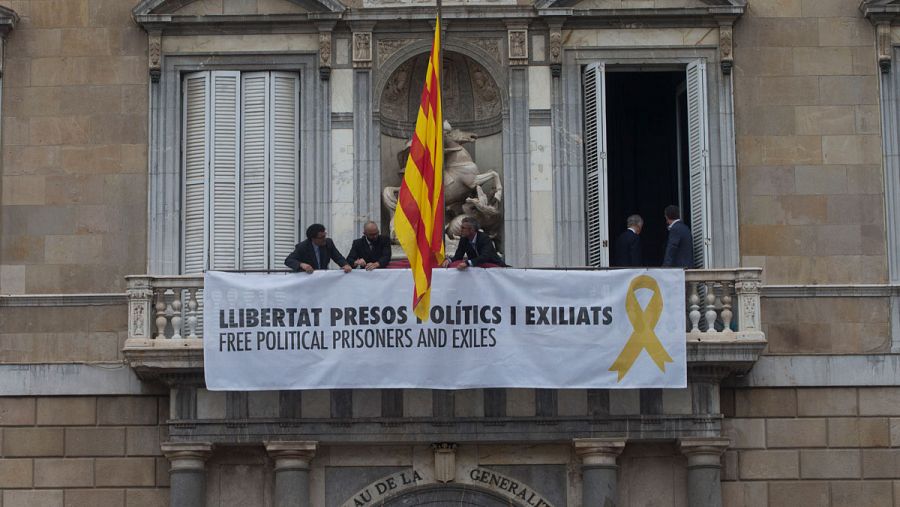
838 291
47 300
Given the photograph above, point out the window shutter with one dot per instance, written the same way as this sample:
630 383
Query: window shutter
595 164
284 135
195 154
254 161
224 141
698 146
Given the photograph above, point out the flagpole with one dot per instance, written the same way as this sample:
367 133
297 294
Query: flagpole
440 62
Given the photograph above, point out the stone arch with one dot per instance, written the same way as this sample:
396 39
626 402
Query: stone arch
473 51
449 495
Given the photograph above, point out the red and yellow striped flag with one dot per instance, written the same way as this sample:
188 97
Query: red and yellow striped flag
419 219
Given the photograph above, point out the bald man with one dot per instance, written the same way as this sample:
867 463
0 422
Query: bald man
371 251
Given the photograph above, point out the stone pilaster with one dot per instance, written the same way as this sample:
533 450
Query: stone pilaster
187 473
599 470
704 470
292 472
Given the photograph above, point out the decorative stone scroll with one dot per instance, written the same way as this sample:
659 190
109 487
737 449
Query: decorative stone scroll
154 52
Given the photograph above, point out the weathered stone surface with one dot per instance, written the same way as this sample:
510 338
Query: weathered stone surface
63 472
830 464
868 493
796 433
798 494
765 403
879 401
17 411
66 411
16 473
126 410
745 433
745 494
32 442
36 498
119 472
95 441
769 465
881 463
147 498
831 401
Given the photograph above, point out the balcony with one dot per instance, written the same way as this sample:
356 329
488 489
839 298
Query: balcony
723 333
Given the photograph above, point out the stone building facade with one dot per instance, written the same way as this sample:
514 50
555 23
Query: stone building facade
773 123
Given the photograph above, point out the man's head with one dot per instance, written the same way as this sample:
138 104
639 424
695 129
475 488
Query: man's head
635 222
370 230
469 227
672 213
317 234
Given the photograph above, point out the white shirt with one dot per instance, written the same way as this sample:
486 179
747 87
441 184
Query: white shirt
673 223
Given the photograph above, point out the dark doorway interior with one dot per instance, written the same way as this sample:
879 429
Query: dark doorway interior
646 129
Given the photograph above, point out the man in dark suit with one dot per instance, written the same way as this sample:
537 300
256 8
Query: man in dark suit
371 251
315 252
627 248
475 248
680 245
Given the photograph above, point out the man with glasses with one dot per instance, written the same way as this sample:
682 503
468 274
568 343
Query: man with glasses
315 252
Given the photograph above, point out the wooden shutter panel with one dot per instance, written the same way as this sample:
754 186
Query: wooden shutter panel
698 155
223 216
195 157
595 164
254 163
285 142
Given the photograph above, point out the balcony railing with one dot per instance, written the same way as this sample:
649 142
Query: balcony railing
722 305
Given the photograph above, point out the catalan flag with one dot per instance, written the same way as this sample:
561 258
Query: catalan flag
419 219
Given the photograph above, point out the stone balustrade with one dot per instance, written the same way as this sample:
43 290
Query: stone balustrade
722 305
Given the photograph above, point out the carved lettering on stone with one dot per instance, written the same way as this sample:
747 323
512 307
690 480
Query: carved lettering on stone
362 48
518 46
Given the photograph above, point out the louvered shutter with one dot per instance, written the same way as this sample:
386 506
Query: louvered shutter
224 143
595 164
698 146
195 156
284 135
254 174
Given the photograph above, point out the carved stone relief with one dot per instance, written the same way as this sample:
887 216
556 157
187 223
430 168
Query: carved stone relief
726 51
325 55
154 40
387 47
518 46
362 48
490 46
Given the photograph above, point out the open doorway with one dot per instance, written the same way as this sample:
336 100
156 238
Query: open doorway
646 126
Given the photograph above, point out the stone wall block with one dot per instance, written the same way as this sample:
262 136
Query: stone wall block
95 441
127 410
881 463
143 441
895 432
799 494
147 498
66 411
745 494
16 473
855 493
35 498
826 401
765 403
119 472
32 442
830 464
879 401
63 472
769 465
796 433
17 411
745 433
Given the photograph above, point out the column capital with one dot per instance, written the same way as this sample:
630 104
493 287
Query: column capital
703 452
599 452
186 456
292 454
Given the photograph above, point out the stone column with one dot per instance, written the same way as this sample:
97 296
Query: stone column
291 472
704 470
187 474
599 470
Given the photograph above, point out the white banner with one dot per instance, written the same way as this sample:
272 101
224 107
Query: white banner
489 328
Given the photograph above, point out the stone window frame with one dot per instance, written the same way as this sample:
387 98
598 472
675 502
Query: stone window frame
165 172
890 122
568 160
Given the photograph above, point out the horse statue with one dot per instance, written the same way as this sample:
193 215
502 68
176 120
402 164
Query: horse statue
464 188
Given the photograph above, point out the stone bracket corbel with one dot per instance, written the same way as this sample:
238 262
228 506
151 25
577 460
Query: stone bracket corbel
555 46
883 45
325 50
726 46
154 54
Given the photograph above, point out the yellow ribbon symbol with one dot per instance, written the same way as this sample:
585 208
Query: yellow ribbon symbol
643 321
